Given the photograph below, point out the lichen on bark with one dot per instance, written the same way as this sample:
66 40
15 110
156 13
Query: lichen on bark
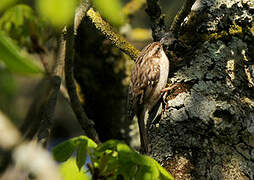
209 122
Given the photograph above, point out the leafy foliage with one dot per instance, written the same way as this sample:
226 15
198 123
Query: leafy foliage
111 160
13 59
57 12
69 171
111 10
5 3
20 23
64 150
82 149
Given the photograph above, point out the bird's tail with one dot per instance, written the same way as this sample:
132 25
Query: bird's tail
142 120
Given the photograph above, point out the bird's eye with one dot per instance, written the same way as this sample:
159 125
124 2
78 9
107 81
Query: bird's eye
157 49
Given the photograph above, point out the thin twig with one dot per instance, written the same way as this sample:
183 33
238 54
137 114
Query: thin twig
180 16
48 109
33 119
40 115
157 19
44 62
41 51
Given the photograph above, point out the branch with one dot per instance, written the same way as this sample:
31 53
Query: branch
157 19
180 16
115 38
41 112
80 14
48 109
40 115
86 124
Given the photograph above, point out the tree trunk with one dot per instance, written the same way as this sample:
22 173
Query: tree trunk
207 128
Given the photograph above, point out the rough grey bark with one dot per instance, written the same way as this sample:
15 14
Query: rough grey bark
207 129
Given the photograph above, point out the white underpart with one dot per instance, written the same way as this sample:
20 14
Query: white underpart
164 69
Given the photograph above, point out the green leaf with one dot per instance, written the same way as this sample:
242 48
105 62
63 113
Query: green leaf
6 3
112 159
81 154
64 150
147 167
111 10
110 144
127 169
69 171
11 56
144 173
164 174
23 26
17 14
108 164
125 152
153 170
129 161
57 12
90 142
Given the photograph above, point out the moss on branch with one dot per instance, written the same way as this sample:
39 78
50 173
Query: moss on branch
115 38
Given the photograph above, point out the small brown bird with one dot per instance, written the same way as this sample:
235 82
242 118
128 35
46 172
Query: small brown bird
149 77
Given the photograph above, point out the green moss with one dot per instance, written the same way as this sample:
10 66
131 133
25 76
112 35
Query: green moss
115 38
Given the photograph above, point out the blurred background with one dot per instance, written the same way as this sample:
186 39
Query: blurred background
101 70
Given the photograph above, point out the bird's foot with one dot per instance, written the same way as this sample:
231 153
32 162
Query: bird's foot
168 89
169 93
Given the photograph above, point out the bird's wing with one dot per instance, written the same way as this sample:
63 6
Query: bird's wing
144 78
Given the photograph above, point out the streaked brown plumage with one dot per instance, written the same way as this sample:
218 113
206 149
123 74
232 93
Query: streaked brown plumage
149 76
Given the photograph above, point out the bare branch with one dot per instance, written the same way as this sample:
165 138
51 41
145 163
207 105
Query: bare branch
86 124
48 109
157 19
40 115
180 16
80 13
